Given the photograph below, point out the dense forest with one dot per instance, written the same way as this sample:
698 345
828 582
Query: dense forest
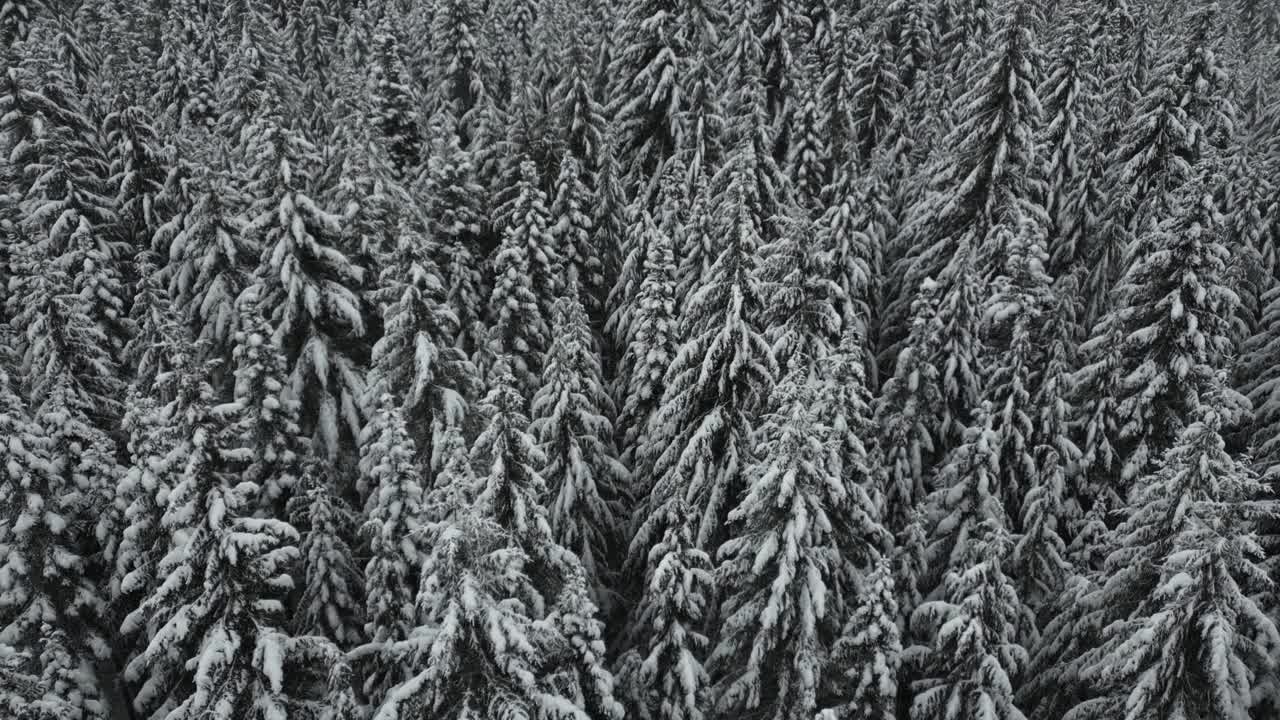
657 359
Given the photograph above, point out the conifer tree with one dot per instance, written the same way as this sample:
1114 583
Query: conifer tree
263 439
462 65
909 442
455 221
138 162
910 30
718 383
1258 366
1070 190
210 257
967 495
1178 583
668 219
483 647
809 150
394 103
866 656
509 460
802 320
42 568
329 605
416 360
776 23
311 287
15 22
879 95
990 167
571 421
974 657
654 342
575 236
1177 122
160 425
1014 316
785 560
1174 308
668 666
219 600
394 511
527 268
658 42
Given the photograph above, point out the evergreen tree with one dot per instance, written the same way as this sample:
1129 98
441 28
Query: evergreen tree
392 531
394 103
906 411
416 360
138 162
845 407
776 24
967 496
876 101
219 600
809 151
1181 634
654 342
42 567
668 666
483 647
263 440
990 166
311 287
802 320
15 19
659 44
1174 309
1071 191
785 560
462 66
575 236
700 439
511 486
974 657
867 655
642 232
1257 364
527 268
584 478
160 425
910 30
332 587
455 221
209 257
1014 316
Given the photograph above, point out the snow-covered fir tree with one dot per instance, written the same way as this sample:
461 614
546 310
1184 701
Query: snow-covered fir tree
220 599
718 384
528 276
1179 582
665 676
329 605
416 360
974 657
484 646
1175 307
391 479
264 438
866 657
796 530
309 287
571 420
